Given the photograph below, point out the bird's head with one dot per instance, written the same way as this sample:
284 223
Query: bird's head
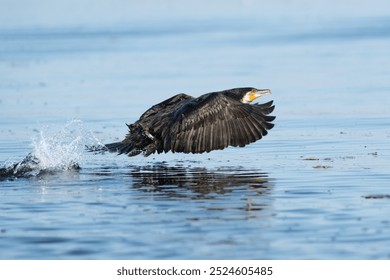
250 94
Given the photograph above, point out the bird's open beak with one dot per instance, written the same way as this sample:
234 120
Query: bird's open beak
256 93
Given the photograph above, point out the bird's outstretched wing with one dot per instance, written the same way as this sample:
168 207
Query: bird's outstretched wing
216 121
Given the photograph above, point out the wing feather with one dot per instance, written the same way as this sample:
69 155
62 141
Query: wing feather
260 126
256 131
220 139
227 133
247 136
234 133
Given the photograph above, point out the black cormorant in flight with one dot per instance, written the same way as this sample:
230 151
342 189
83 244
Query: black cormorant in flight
186 124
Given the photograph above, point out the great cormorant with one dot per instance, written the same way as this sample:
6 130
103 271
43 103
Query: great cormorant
186 124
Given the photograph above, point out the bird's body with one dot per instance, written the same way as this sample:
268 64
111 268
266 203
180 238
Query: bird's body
186 124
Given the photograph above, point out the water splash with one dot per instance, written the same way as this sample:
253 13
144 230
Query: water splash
51 153
61 151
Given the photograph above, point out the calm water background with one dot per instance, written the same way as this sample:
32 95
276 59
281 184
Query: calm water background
317 187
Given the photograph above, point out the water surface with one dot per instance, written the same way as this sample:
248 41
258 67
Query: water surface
316 187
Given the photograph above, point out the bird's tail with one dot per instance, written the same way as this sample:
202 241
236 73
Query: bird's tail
117 147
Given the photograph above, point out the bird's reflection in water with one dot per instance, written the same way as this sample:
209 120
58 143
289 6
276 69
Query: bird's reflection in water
198 182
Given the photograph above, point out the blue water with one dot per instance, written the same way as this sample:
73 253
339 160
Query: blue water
316 187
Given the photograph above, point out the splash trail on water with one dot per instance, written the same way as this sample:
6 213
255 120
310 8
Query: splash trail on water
62 151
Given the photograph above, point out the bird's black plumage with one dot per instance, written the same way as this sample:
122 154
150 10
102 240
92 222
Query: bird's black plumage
186 124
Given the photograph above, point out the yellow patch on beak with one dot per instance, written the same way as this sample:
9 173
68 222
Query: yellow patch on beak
250 96
253 95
